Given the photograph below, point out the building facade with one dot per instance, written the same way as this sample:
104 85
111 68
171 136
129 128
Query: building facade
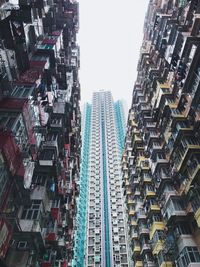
39 132
105 242
161 159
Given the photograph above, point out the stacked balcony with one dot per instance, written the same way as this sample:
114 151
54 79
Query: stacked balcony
39 132
163 126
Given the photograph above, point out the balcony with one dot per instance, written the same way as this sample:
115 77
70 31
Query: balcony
125 173
197 216
158 161
190 256
146 178
139 160
138 264
51 142
157 241
177 115
151 125
134 174
163 91
128 192
157 247
167 264
182 127
149 192
170 103
30 225
134 235
145 248
130 201
144 165
149 263
136 249
183 241
184 105
136 192
127 183
133 123
139 147
165 260
141 215
152 207
162 175
152 136
193 170
168 193
196 205
156 225
21 254
136 140
143 230
131 212
190 145
192 80
38 191
133 222
145 107
156 147
47 157
173 208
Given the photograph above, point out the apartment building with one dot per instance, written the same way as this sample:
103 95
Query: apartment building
39 132
161 159
100 205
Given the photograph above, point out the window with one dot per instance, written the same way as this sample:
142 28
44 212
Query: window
33 212
156 218
187 255
163 257
176 204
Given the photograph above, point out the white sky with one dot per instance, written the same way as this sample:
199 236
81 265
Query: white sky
110 37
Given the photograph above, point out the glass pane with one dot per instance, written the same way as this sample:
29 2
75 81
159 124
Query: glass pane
24 214
35 214
29 215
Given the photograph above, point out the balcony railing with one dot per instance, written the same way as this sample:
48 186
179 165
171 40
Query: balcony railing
47 157
162 161
156 146
165 259
156 224
145 247
173 208
141 215
143 230
191 145
193 170
134 234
